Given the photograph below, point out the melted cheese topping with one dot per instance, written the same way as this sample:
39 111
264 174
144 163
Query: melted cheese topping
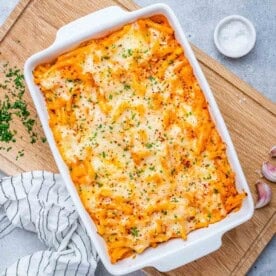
132 124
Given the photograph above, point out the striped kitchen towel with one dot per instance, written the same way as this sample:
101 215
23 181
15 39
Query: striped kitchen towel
39 202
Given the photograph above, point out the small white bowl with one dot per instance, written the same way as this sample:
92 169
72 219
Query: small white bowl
235 36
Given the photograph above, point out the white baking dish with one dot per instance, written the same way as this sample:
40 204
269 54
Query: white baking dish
176 252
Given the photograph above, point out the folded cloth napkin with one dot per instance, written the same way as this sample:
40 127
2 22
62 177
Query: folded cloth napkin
39 202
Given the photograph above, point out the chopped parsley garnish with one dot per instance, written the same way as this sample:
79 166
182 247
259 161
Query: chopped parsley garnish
6 134
134 231
99 184
13 106
19 154
149 145
94 136
126 86
174 200
129 51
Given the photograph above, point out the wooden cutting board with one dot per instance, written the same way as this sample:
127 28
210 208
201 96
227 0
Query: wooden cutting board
251 120
14 15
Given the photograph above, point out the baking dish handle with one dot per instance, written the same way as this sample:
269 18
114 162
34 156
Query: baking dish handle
188 254
80 27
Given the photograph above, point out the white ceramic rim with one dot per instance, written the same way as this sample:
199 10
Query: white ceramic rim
252 37
175 252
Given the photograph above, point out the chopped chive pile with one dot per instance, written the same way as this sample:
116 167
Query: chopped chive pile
14 107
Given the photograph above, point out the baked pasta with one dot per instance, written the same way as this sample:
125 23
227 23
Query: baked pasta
133 126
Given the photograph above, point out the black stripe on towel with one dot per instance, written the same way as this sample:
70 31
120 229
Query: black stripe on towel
66 268
93 250
86 250
40 188
27 198
67 198
49 258
29 264
17 203
51 187
58 218
8 206
69 216
61 255
39 229
2 218
89 266
43 224
22 226
5 228
17 265
2 189
58 195
32 178
39 264
80 258
54 271
47 222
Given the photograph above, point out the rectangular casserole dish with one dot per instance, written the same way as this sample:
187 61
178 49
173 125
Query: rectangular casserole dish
176 252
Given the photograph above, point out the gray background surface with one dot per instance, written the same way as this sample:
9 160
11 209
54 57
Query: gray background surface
198 19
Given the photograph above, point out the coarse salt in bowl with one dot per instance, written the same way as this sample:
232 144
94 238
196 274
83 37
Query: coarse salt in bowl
235 36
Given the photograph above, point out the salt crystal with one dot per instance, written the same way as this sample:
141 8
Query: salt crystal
234 36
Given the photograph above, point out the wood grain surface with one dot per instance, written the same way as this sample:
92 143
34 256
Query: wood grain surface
250 118
21 5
